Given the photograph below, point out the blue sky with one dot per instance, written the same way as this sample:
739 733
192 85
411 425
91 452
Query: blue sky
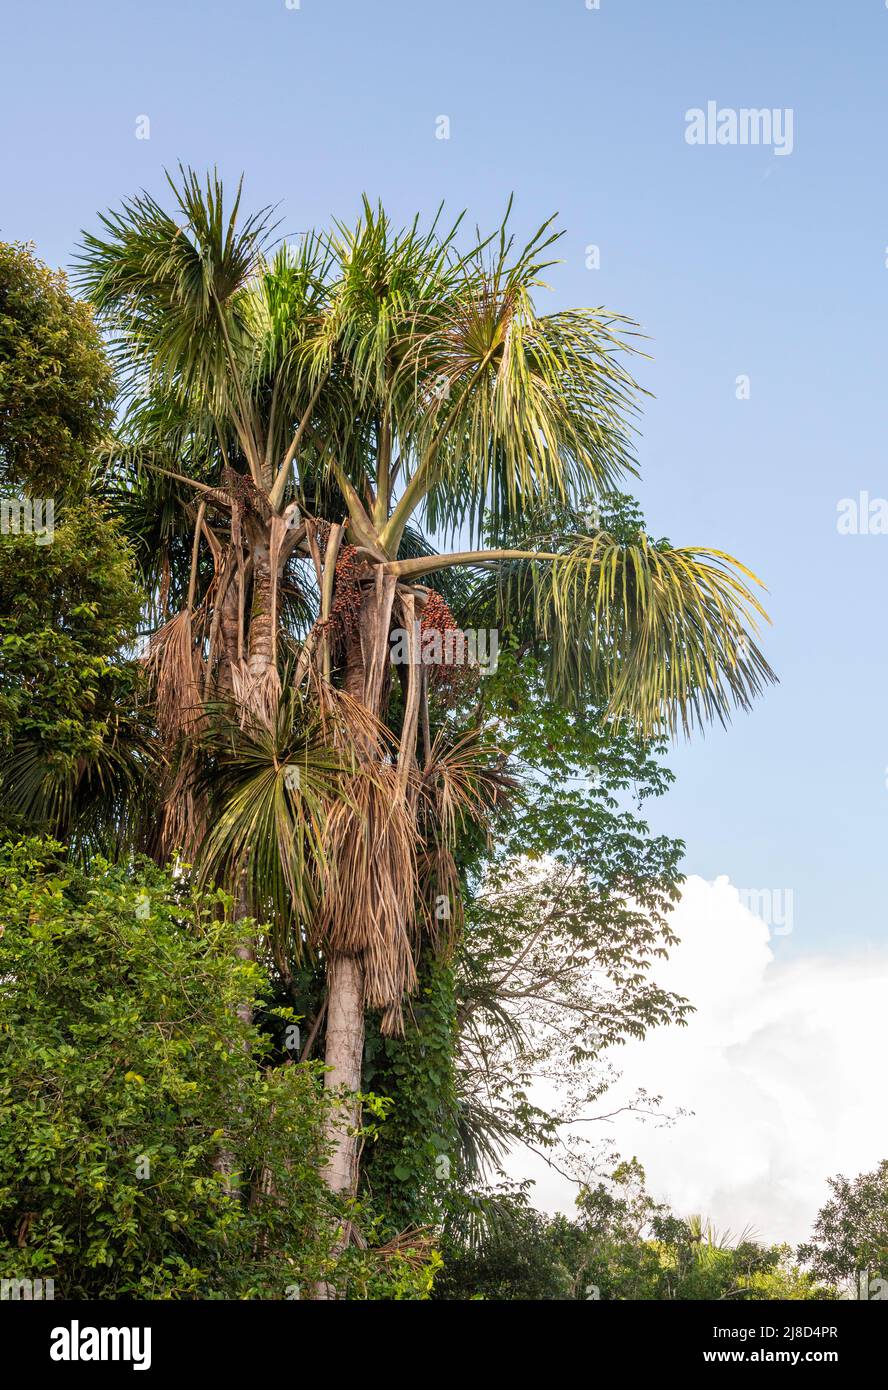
734 260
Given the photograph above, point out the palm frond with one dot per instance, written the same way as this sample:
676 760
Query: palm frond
268 790
104 802
167 288
369 893
665 636
510 407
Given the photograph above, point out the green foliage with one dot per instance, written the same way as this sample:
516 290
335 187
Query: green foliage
850 1235
632 1247
300 370
567 912
145 1151
72 740
413 1167
623 1245
56 385
518 1259
654 632
303 367
73 747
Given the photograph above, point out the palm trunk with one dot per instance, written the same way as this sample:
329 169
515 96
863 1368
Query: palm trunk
364 679
344 1055
261 645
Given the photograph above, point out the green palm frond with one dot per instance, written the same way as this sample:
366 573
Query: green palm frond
666 635
268 792
156 517
484 1216
541 417
385 278
168 288
162 278
484 1136
510 408
285 310
102 802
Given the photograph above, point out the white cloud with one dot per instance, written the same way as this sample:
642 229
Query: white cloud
783 1065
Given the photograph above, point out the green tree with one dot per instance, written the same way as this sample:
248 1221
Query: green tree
315 403
56 384
76 750
849 1242
510 1254
73 747
633 1247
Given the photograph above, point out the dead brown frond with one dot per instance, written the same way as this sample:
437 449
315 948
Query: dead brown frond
413 1246
182 810
349 726
175 673
440 898
368 899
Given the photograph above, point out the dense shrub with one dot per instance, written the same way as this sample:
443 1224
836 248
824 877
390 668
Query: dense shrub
145 1151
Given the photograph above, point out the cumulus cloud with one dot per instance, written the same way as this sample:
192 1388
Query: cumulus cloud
782 1066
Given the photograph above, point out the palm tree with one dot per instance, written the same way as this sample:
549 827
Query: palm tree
294 411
